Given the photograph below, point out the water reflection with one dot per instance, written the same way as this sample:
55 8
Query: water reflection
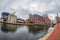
21 32
8 27
36 29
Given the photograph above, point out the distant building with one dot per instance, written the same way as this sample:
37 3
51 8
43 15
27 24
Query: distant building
47 20
57 18
30 17
37 19
12 18
28 20
1 20
20 21
4 16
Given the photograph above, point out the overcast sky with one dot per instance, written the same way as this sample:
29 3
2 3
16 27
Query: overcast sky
24 7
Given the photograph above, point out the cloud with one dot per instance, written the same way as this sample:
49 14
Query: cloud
36 5
24 7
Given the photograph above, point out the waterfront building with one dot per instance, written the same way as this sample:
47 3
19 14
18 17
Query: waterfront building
37 19
28 20
1 20
12 18
4 16
57 18
46 19
30 17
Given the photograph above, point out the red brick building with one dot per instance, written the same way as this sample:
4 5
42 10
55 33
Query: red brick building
47 20
37 19
57 19
40 19
28 20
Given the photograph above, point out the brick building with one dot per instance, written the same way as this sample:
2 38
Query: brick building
40 19
28 20
47 20
37 19
57 18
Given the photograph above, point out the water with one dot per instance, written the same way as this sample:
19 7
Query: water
21 32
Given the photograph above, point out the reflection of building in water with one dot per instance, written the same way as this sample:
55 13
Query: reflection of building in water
12 18
4 28
11 27
35 29
8 27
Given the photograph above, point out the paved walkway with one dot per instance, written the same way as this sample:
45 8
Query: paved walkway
53 35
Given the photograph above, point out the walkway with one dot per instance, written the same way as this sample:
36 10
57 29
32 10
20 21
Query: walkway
53 35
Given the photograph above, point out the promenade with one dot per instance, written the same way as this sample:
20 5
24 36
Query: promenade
54 34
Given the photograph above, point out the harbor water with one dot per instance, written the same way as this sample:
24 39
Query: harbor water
21 32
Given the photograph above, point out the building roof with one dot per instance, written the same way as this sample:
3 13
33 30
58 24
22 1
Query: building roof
38 15
12 15
5 13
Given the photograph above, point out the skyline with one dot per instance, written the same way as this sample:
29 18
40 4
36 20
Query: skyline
24 8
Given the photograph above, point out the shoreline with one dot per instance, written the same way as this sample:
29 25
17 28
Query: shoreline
13 23
28 24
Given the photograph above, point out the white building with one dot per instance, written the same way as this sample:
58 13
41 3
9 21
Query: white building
1 20
12 18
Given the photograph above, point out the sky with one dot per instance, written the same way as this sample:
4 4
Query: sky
23 8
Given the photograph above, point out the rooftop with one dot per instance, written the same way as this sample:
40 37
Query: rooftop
5 13
38 15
